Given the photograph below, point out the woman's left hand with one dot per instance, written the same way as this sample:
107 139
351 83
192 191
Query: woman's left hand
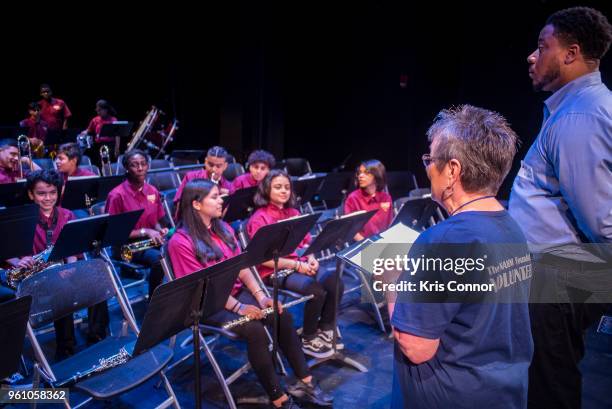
266 302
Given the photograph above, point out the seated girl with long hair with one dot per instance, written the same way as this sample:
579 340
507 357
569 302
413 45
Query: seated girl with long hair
201 240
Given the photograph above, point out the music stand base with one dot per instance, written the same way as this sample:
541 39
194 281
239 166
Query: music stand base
339 357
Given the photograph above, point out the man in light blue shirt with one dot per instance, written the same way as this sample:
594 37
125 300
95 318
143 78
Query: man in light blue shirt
562 198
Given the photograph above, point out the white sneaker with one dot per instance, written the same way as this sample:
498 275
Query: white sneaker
327 337
316 348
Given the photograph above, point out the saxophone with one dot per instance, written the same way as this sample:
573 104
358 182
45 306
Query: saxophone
266 311
17 274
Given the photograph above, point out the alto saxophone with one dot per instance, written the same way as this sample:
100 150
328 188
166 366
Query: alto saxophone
266 311
17 274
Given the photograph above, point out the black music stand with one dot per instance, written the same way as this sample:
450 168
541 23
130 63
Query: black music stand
184 303
306 188
17 227
416 213
335 233
274 241
187 157
13 194
239 204
117 129
336 186
14 317
83 192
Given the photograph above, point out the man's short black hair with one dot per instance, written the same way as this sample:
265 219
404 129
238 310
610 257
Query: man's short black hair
71 150
34 106
45 86
584 26
125 160
49 176
261 156
6 142
217 152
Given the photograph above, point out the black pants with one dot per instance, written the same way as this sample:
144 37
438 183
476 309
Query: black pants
150 258
320 311
6 294
558 331
257 345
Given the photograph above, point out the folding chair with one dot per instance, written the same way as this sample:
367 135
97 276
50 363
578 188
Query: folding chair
64 289
296 166
163 181
206 345
233 171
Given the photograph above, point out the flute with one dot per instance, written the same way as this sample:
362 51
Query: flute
266 311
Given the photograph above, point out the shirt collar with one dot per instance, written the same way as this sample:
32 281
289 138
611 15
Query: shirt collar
369 198
133 189
573 87
276 212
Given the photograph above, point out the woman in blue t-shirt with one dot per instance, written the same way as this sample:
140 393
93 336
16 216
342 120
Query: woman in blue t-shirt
472 346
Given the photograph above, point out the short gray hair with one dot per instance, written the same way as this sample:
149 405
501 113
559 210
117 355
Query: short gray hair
481 140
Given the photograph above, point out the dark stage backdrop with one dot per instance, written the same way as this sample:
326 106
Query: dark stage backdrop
308 80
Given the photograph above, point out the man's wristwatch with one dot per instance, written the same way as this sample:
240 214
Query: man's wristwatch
143 232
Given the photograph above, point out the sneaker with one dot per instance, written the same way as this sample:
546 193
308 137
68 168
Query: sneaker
288 404
310 392
13 379
315 348
327 337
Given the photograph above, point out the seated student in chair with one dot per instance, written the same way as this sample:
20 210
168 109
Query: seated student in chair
259 162
276 202
68 160
214 166
43 187
134 194
371 195
202 239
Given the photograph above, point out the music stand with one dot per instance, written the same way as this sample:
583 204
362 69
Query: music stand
336 186
335 233
239 204
416 213
14 317
274 241
17 227
117 129
184 302
187 157
83 192
14 194
306 188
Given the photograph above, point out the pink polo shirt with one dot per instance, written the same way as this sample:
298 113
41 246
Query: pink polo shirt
95 126
243 181
54 112
62 216
271 214
127 197
381 201
199 174
8 175
78 172
184 260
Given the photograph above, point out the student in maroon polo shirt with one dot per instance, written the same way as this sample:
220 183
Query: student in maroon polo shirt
9 161
215 164
105 115
135 194
43 187
37 128
259 163
53 111
276 202
202 239
371 195
68 160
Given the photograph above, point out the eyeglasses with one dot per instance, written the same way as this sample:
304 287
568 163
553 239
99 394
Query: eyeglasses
428 159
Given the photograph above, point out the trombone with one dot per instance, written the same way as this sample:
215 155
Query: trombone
23 143
105 164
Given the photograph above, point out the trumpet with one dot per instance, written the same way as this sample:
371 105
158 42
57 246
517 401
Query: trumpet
266 311
23 143
105 161
17 274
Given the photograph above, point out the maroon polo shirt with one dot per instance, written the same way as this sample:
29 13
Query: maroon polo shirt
199 174
54 112
95 126
268 215
8 175
35 129
243 181
184 260
54 223
78 172
127 197
380 201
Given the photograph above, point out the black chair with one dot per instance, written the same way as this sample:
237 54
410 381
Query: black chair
164 181
159 164
92 168
13 324
45 163
117 168
296 166
62 290
85 160
187 157
233 171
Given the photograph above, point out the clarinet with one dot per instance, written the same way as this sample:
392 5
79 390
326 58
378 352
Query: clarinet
283 273
266 311
103 364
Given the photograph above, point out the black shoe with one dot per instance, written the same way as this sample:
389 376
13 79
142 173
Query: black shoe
310 392
288 404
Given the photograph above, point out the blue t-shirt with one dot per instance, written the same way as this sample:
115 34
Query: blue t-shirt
485 348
